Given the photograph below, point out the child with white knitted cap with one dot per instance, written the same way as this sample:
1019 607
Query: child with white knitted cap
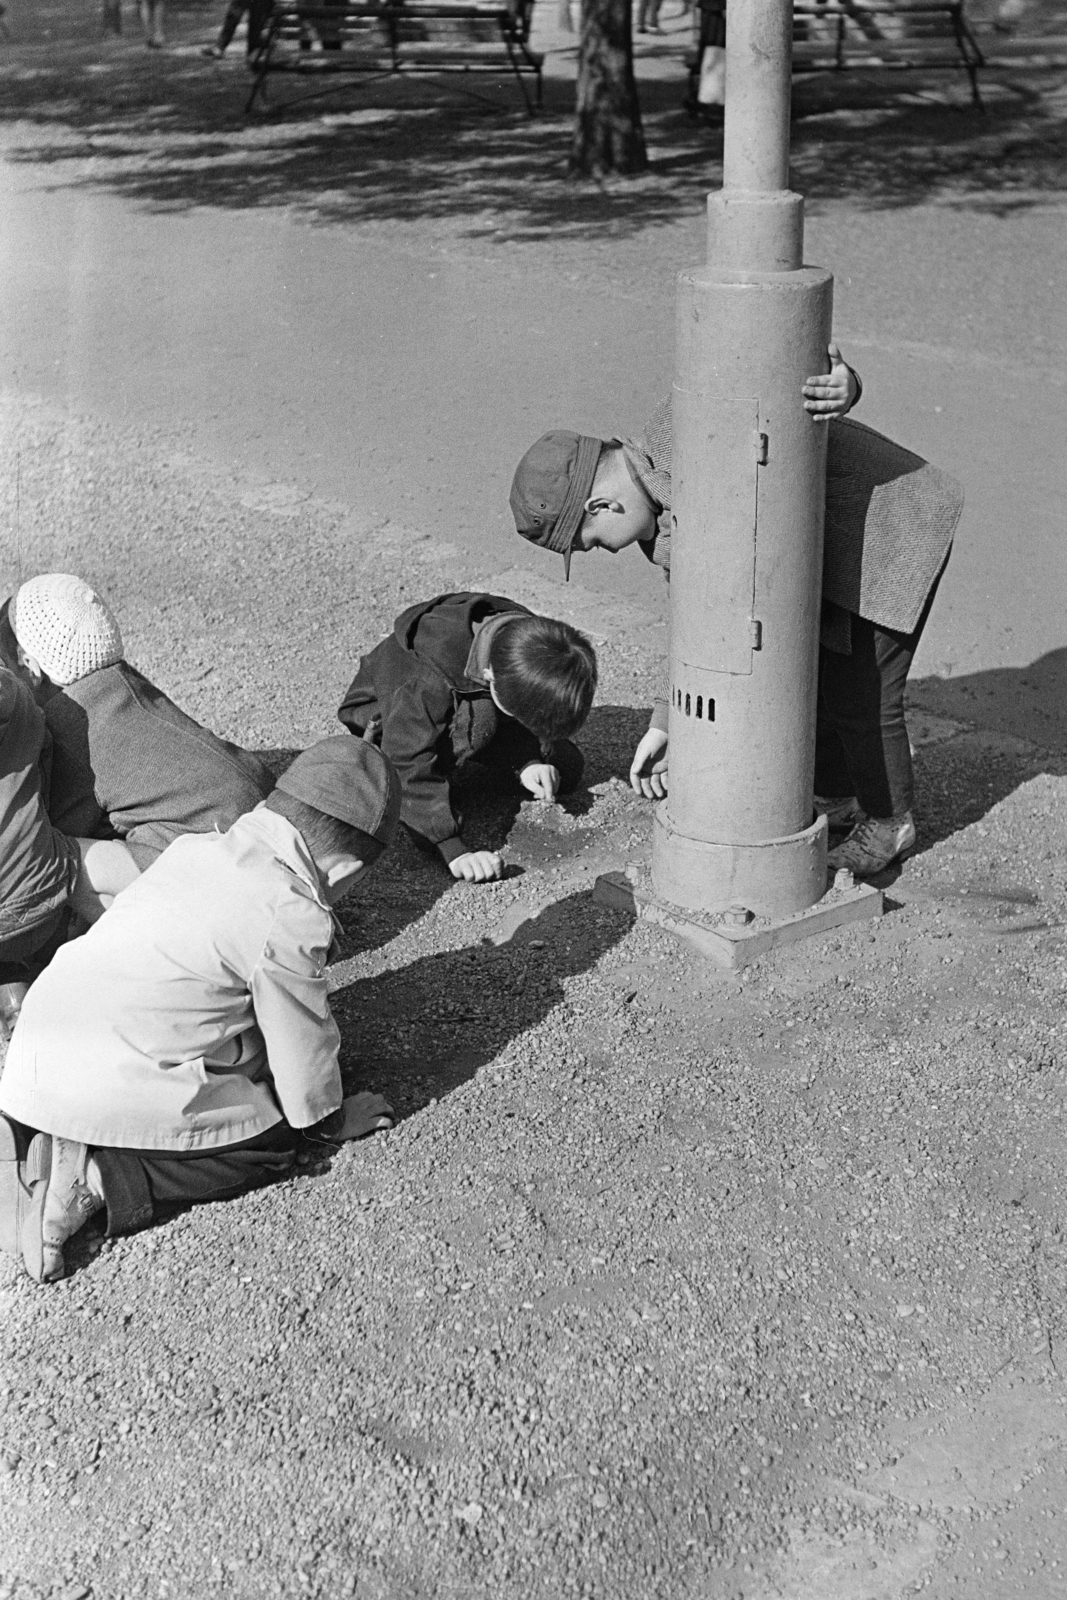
130 771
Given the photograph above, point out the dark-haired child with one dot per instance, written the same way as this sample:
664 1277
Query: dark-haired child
473 675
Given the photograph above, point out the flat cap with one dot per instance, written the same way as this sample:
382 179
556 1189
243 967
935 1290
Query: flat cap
350 779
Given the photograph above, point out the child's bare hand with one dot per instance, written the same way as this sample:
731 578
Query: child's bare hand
478 866
648 770
541 779
832 393
359 1115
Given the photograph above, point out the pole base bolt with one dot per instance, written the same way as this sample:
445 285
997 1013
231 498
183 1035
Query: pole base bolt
737 917
844 878
633 872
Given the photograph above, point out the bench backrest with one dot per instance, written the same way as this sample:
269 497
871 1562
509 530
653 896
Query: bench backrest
360 21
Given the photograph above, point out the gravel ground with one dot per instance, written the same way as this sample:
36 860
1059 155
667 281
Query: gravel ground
668 1282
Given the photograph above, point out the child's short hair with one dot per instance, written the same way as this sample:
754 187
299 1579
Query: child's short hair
544 674
324 834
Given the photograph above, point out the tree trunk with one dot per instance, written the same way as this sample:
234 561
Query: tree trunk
607 131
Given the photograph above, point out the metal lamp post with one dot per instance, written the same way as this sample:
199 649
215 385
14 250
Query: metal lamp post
734 845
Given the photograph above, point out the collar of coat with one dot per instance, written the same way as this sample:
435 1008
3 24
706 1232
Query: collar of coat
442 633
286 844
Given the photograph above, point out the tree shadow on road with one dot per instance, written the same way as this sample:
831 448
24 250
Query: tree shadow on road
167 131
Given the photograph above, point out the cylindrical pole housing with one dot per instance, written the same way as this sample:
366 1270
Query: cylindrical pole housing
759 66
747 500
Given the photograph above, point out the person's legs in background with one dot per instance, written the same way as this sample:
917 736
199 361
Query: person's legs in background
234 12
152 23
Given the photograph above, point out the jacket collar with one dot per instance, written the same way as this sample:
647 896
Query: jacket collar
286 844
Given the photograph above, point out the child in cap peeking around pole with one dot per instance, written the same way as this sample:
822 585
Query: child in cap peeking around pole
889 525
473 675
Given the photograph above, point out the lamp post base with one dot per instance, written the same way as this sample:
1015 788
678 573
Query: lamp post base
733 938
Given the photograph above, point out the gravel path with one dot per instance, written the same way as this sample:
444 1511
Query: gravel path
667 1283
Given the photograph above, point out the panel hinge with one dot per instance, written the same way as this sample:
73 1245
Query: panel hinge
760 442
757 634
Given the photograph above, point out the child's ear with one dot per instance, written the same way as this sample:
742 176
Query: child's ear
340 870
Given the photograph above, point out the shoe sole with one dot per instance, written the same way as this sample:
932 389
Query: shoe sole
14 1196
873 872
38 1170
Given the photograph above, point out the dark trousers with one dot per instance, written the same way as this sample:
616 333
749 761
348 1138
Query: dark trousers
24 955
138 1182
258 11
861 737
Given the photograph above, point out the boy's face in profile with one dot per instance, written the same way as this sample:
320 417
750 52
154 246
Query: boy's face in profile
612 525
618 513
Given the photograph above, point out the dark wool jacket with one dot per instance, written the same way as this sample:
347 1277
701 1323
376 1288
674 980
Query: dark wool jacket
433 715
124 755
37 864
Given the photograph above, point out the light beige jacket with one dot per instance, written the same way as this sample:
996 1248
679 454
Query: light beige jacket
194 1014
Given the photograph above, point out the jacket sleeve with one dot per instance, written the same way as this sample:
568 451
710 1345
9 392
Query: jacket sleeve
415 719
293 1014
859 387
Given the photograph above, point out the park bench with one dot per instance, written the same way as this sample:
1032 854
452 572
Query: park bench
834 35
314 37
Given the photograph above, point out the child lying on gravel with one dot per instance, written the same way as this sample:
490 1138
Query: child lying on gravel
473 675
172 1053
125 761
890 522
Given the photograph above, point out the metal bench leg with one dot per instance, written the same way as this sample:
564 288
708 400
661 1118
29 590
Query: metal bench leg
259 91
259 61
970 55
517 70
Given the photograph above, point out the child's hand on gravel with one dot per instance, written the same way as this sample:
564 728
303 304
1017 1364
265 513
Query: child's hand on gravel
478 866
359 1114
541 780
832 393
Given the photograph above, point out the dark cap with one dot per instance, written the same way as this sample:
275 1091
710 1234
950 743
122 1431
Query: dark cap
553 481
349 779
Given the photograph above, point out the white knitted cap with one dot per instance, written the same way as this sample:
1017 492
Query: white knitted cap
68 628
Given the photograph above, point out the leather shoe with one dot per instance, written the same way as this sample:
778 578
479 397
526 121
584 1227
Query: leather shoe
61 1204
